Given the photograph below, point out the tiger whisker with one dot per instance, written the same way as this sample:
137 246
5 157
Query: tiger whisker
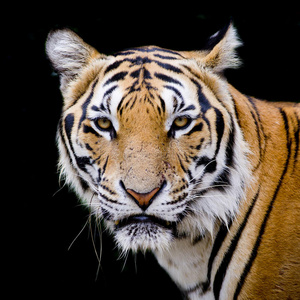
209 187
200 173
125 260
92 235
203 196
60 188
85 224
99 227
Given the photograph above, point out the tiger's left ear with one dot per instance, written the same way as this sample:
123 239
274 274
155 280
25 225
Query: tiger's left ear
219 53
69 54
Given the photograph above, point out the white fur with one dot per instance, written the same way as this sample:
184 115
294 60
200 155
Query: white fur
143 237
68 54
229 56
182 257
223 55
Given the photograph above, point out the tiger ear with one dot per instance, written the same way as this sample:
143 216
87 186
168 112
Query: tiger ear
219 53
69 54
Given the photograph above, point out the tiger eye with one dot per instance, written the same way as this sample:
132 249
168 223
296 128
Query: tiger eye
181 121
104 123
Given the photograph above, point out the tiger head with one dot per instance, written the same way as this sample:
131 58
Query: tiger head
148 137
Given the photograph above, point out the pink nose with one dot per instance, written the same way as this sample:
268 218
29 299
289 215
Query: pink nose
143 200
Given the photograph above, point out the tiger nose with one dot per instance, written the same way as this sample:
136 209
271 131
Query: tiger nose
143 200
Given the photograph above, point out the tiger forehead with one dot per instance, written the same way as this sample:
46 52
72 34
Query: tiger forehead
150 51
139 66
142 74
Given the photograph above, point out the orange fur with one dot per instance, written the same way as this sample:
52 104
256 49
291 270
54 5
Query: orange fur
276 267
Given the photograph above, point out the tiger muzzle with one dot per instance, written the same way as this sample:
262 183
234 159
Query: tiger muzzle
144 200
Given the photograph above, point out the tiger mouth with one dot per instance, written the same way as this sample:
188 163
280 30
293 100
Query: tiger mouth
144 219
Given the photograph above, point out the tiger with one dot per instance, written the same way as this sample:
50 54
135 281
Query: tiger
174 160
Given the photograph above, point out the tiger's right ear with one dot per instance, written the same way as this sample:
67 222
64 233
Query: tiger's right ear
220 51
69 54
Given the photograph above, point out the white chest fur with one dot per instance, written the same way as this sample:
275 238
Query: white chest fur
187 263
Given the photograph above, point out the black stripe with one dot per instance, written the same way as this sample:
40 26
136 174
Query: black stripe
120 103
83 184
117 77
222 233
147 50
162 103
190 107
190 177
192 72
165 56
133 102
108 189
135 74
267 215
259 129
69 122
138 60
220 237
109 91
106 215
297 140
223 180
221 272
199 286
210 164
169 87
196 128
144 60
230 147
167 78
124 53
89 129
287 130
182 167
113 66
105 165
86 103
108 199
166 51
95 108
168 67
179 199
203 101
220 129
81 162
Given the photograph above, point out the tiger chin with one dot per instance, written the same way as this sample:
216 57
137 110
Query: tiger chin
175 160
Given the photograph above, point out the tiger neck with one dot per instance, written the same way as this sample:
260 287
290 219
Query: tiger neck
251 125
195 265
198 267
187 264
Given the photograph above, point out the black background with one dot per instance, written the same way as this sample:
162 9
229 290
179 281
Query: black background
42 219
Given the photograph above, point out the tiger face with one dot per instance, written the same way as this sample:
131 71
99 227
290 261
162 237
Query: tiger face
148 140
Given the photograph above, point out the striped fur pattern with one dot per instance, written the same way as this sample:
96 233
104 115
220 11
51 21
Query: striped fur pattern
173 159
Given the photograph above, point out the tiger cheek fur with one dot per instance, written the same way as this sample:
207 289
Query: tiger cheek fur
173 159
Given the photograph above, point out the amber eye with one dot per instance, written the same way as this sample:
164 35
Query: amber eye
104 123
181 122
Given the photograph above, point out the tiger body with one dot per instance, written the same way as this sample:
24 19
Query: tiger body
175 160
